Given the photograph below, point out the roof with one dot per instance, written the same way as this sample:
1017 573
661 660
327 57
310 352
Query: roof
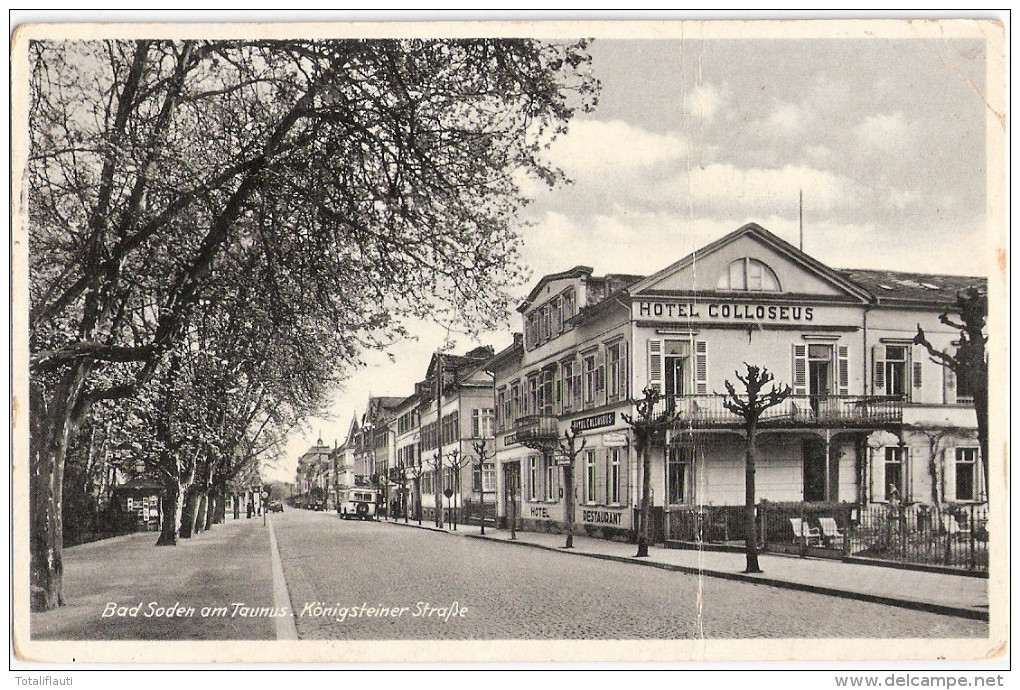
776 243
575 272
899 287
141 483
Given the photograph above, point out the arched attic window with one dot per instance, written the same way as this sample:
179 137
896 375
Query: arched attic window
749 275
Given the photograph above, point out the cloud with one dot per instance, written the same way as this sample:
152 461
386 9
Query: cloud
594 145
703 101
787 118
882 131
768 189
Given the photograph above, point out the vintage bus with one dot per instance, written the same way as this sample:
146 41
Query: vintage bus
357 503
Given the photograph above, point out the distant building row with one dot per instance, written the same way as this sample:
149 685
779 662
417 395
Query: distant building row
871 420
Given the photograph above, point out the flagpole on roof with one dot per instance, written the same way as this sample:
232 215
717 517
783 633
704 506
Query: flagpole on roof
801 218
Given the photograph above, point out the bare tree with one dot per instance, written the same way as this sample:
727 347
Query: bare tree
570 450
373 180
749 406
483 455
650 428
970 363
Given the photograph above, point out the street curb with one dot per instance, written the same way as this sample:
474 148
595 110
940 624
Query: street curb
286 627
928 607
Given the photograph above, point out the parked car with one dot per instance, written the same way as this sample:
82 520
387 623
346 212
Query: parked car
276 506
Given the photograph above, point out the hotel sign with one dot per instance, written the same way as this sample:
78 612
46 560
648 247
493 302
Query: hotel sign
724 311
510 439
596 421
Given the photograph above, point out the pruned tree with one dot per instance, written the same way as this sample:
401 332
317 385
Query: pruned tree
749 405
650 426
371 180
569 449
970 363
484 455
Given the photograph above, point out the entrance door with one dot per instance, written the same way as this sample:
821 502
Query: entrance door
512 493
814 469
819 374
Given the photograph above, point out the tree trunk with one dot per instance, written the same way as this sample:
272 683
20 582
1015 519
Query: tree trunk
212 507
981 409
202 513
51 427
173 509
568 503
190 516
644 533
750 528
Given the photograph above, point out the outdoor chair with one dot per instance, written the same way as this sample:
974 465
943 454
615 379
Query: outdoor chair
804 533
831 531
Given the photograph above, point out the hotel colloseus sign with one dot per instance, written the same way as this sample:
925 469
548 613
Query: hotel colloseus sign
596 421
724 311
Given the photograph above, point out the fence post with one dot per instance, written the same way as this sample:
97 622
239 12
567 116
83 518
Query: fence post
972 560
847 527
763 515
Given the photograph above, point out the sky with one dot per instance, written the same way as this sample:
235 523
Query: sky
694 138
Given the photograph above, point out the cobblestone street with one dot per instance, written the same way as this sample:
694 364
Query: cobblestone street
489 590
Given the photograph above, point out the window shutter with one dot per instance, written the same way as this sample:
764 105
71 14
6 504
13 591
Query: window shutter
877 474
843 362
908 481
949 473
878 368
917 374
624 476
701 367
655 365
624 371
601 494
949 385
800 369
600 376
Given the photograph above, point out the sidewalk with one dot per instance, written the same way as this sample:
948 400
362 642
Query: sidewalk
228 565
954 595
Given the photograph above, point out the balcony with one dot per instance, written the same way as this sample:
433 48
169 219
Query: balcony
536 430
817 411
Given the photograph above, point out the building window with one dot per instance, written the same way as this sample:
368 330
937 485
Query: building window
590 481
550 481
546 321
502 409
531 401
481 422
569 305
515 395
749 275
567 376
531 331
533 478
614 479
895 370
966 474
489 477
681 475
894 474
594 377
557 315
545 393
616 371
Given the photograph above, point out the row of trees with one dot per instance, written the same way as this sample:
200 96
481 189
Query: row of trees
218 230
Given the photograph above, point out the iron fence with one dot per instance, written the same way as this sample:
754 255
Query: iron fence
827 411
950 536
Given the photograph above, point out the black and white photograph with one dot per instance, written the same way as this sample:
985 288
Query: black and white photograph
647 341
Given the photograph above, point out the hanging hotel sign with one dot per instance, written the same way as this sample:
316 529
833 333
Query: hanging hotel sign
596 421
724 311
614 440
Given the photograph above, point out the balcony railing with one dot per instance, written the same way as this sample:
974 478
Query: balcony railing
536 429
826 411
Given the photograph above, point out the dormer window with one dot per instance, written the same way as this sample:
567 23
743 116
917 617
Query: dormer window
749 275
